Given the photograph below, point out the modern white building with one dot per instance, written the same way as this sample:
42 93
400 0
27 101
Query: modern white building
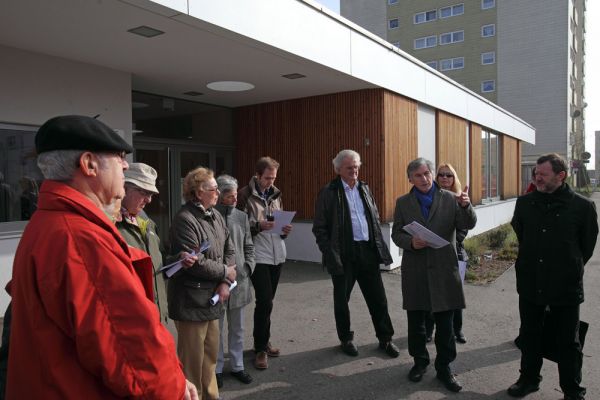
160 73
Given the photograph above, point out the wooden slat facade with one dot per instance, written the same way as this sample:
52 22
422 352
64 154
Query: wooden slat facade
451 139
401 138
511 167
304 135
475 160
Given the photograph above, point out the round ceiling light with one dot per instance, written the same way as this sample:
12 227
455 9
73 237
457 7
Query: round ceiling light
230 86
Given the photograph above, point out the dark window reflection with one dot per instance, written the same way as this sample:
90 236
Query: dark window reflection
20 177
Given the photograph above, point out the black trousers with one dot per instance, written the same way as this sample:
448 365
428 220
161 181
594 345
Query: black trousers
445 344
457 323
364 269
570 357
265 279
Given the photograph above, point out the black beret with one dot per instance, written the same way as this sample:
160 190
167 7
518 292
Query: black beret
76 132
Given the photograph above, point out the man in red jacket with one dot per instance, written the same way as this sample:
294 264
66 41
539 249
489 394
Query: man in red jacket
83 326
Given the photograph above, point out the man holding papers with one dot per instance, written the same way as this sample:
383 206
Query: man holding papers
346 226
260 199
430 276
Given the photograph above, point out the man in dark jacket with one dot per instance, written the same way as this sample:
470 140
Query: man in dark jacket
557 231
347 230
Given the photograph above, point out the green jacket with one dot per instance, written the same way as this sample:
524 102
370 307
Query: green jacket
145 237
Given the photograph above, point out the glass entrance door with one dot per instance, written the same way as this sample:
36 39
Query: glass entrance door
172 163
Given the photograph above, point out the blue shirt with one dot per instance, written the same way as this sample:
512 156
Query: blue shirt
360 229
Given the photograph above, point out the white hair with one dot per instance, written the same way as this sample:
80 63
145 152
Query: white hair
227 184
60 165
342 155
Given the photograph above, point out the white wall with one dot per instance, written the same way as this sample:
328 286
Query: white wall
35 87
301 243
426 137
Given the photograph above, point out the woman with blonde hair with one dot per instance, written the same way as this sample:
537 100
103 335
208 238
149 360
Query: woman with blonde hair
447 178
198 228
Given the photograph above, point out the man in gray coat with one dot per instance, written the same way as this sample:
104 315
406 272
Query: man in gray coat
430 277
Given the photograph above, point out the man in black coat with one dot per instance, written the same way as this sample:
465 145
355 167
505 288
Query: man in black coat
346 226
557 231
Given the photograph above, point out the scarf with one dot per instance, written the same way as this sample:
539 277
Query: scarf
425 199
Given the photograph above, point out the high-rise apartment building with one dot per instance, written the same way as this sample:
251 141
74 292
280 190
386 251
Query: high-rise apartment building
526 56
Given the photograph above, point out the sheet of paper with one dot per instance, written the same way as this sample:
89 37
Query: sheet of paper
462 270
215 299
172 268
282 218
432 239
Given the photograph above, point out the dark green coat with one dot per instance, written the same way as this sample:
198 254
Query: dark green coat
557 235
151 245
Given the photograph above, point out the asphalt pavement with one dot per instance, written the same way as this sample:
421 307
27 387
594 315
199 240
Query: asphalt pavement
313 367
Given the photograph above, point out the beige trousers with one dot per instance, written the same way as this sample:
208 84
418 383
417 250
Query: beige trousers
197 348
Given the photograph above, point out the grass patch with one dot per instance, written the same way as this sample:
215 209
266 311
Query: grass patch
490 254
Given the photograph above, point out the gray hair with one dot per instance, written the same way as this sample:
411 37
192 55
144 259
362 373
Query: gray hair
417 163
342 155
60 165
227 184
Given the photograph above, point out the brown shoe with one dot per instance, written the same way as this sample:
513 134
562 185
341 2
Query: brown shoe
262 360
272 351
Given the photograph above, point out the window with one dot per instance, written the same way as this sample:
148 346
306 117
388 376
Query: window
432 64
452 11
488 30
488 86
488 58
452 37
424 42
425 17
490 167
485 4
393 23
452 63
397 44
392 2
20 178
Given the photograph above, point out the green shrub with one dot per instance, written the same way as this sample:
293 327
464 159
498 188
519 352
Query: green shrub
475 248
496 237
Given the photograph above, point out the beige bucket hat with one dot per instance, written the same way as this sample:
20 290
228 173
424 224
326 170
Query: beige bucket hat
143 176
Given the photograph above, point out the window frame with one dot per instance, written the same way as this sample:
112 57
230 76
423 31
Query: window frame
488 6
424 14
392 2
390 23
434 66
452 41
487 164
493 53
452 61
424 38
451 8
493 81
483 27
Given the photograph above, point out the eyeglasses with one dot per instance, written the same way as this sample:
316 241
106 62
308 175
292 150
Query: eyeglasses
143 192
440 175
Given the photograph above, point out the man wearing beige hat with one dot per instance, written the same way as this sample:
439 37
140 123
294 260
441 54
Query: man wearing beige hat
140 231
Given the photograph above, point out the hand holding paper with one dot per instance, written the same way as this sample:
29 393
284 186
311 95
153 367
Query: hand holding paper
421 233
283 220
215 299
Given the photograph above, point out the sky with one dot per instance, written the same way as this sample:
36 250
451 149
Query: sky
592 68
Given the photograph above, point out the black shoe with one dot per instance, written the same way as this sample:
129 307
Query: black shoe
219 380
577 396
428 339
242 376
523 387
450 382
390 348
416 373
349 348
460 338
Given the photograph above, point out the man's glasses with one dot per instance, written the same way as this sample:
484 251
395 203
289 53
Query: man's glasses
445 175
143 192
